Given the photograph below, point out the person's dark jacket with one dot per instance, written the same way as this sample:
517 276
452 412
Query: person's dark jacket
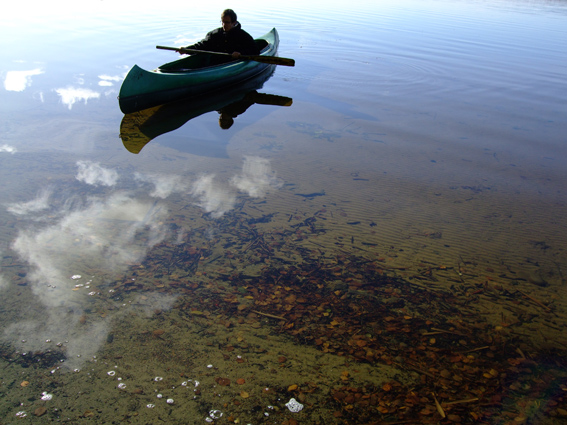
235 40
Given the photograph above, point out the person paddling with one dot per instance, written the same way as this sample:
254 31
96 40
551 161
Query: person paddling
230 38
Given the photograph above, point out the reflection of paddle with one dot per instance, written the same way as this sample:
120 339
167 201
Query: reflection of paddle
234 109
274 60
272 99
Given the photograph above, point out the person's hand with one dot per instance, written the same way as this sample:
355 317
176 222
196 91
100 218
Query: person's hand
235 55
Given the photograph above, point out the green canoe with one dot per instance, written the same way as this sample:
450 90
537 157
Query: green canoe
190 76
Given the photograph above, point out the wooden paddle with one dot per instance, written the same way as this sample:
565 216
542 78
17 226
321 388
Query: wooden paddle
272 99
274 60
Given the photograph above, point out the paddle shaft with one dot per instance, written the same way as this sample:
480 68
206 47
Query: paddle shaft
274 60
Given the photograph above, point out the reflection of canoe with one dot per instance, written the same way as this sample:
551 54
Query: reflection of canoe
139 128
189 76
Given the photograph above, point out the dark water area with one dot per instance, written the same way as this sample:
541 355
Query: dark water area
378 238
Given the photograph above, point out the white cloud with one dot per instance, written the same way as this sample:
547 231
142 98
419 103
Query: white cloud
110 77
94 174
213 197
257 178
71 95
103 235
19 80
164 185
41 202
108 80
3 281
8 148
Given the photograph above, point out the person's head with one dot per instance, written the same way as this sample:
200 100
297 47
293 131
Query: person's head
225 121
228 19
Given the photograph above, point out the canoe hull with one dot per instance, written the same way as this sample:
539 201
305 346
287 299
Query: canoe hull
143 89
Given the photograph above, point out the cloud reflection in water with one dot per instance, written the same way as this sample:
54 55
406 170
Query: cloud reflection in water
92 173
3 281
164 185
106 235
213 197
19 80
8 148
41 202
257 178
71 95
99 236
108 80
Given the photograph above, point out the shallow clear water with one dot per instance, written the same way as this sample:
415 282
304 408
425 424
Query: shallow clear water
406 209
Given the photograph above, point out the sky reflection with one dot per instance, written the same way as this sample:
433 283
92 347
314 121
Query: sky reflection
92 173
163 185
255 180
40 203
71 95
20 80
90 238
102 234
109 80
8 149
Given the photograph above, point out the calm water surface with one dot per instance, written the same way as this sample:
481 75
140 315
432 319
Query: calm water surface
389 247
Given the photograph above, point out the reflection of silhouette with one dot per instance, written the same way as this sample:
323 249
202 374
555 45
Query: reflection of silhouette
139 128
229 112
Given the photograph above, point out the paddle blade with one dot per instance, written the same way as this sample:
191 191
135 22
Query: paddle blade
272 99
273 60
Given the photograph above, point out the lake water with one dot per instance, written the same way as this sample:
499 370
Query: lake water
389 247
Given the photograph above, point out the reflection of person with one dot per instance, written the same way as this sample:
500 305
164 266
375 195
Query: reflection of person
230 112
230 38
